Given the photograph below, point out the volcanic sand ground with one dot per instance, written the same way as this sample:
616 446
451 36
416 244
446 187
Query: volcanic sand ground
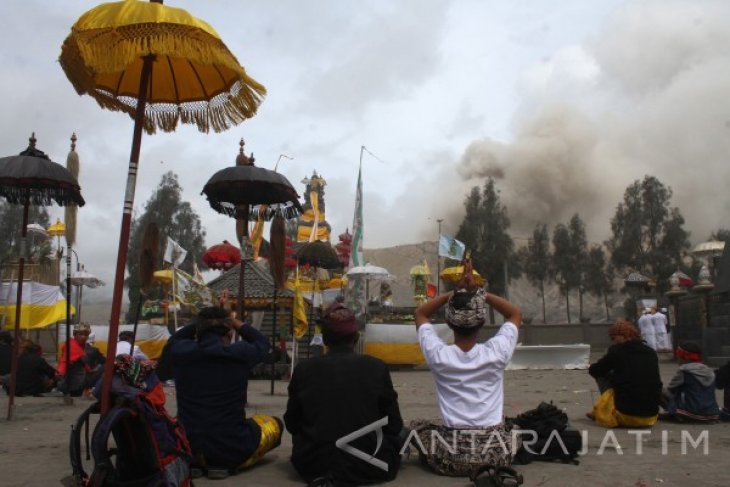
34 447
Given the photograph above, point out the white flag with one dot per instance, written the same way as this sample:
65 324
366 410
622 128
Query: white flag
174 254
450 247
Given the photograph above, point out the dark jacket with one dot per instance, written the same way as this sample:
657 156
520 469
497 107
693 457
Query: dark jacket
333 396
633 369
210 382
33 374
6 351
693 392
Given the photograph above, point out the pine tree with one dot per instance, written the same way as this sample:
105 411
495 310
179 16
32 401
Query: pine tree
175 219
11 217
536 261
648 234
597 277
484 231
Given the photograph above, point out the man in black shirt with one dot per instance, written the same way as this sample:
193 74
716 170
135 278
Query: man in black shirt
336 395
211 378
6 350
35 375
628 377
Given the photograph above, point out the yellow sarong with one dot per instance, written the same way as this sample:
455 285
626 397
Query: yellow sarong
271 432
606 414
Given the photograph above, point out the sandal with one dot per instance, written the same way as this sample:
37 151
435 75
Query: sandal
491 476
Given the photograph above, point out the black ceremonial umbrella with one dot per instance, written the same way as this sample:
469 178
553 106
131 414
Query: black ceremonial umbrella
318 254
244 192
32 178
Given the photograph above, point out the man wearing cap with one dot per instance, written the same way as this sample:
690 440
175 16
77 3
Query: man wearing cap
659 322
336 395
124 346
469 380
86 363
211 379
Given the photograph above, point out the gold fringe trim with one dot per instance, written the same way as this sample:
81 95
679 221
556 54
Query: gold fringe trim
85 54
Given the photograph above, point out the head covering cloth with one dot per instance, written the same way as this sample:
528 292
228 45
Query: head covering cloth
467 309
339 321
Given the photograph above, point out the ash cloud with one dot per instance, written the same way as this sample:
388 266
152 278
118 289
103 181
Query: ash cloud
647 96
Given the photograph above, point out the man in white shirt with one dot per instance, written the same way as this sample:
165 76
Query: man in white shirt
659 323
469 379
124 346
646 328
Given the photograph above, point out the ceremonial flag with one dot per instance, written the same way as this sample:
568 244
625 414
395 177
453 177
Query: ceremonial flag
174 253
356 254
299 311
450 247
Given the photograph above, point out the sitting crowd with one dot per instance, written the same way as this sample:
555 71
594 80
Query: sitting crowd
343 412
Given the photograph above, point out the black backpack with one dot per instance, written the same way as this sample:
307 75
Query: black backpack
556 440
150 448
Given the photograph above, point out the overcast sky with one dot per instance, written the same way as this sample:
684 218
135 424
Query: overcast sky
565 102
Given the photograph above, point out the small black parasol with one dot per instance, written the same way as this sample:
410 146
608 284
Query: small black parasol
318 254
32 178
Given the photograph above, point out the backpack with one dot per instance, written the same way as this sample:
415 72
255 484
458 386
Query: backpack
149 449
556 440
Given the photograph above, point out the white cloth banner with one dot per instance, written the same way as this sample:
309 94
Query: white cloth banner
174 253
33 293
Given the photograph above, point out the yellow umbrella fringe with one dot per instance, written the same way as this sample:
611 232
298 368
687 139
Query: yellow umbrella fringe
112 50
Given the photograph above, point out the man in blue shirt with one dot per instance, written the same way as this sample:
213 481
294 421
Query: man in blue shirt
211 377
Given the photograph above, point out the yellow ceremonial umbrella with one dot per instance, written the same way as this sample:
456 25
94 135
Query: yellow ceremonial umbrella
454 274
163 277
161 66
57 230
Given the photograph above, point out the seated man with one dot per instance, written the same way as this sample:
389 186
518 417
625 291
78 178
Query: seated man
87 363
722 382
6 350
124 346
335 395
211 378
690 395
628 378
35 376
469 380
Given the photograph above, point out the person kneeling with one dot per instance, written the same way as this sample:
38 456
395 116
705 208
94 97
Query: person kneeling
211 381
469 380
628 378
333 396
690 395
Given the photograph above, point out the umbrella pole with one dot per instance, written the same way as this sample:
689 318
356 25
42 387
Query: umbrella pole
78 303
124 233
67 400
18 306
273 342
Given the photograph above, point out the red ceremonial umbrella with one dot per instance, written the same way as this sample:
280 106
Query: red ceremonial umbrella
222 256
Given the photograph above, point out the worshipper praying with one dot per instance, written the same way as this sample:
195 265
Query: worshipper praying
124 346
646 328
628 379
469 377
659 322
211 379
690 395
35 375
6 351
87 363
335 395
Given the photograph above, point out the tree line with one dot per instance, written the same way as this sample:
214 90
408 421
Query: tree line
647 235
